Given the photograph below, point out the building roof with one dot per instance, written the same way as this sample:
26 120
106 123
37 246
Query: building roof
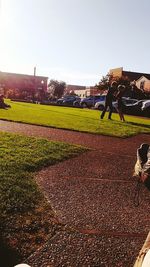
135 75
21 75
142 78
22 81
75 87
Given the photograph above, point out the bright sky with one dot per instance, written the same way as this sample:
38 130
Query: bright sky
76 41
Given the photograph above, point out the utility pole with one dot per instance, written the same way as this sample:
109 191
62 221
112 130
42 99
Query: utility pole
34 90
34 71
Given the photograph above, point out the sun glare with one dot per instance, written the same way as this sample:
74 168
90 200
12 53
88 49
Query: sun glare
6 26
5 16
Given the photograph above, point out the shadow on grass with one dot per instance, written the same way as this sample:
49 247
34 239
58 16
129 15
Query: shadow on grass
139 124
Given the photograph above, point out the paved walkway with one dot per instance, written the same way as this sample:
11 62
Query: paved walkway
93 196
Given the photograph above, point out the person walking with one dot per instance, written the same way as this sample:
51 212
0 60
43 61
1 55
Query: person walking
119 95
109 99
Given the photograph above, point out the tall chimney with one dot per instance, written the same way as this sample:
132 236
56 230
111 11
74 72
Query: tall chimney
34 71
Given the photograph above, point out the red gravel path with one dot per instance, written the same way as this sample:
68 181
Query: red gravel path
93 193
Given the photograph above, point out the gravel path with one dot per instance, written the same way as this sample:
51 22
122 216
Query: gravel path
93 195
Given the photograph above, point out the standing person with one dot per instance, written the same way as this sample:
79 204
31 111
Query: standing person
119 95
109 99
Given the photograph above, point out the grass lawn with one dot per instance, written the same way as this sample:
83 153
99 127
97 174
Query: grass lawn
26 217
83 120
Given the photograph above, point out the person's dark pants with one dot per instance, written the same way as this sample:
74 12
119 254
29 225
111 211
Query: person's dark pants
107 104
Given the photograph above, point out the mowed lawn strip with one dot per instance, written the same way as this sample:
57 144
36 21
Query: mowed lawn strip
83 120
27 219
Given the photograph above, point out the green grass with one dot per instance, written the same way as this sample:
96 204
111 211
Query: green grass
26 217
83 120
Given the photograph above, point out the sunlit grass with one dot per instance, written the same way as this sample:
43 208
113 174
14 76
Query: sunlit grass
83 120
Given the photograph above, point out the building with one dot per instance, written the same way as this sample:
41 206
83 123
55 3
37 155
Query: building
22 83
132 76
143 83
139 79
81 91
147 86
75 89
92 90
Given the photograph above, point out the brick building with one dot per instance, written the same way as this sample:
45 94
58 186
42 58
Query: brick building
81 91
75 89
22 83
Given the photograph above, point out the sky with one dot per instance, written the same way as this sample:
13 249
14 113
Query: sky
76 41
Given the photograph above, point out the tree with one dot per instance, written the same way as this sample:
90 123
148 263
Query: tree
104 83
56 88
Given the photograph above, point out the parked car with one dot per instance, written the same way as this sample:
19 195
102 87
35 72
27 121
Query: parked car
48 101
134 108
146 108
146 112
76 103
126 100
129 101
101 103
145 104
90 101
67 100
